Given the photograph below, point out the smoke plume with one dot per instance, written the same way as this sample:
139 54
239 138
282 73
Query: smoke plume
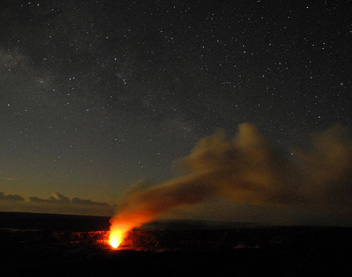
248 170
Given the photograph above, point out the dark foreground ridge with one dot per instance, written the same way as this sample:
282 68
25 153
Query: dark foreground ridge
172 248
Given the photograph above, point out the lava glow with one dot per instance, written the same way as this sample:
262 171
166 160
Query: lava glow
114 243
118 233
115 238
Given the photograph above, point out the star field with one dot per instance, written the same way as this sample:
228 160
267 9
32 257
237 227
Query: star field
96 95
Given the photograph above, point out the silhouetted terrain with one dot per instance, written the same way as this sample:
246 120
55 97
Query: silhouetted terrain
63 245
53 222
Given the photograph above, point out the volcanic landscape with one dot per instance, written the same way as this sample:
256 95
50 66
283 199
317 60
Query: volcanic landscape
67 245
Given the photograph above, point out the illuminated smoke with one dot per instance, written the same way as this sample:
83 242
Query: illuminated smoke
247 169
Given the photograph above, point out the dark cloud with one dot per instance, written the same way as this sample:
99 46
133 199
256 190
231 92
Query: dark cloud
11 197
56 203
87 202
248 170
37 199
54 198
57 197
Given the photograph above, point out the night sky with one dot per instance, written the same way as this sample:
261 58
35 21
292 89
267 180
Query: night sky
97 95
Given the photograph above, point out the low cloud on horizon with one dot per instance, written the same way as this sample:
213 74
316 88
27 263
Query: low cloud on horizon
56 203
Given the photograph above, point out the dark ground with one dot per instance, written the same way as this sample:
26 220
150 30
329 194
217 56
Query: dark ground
60 245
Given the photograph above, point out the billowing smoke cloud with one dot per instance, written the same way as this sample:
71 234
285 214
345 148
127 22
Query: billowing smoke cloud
248 170
56 203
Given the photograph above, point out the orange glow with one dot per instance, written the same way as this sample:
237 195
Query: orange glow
121 224
115 238
117 234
